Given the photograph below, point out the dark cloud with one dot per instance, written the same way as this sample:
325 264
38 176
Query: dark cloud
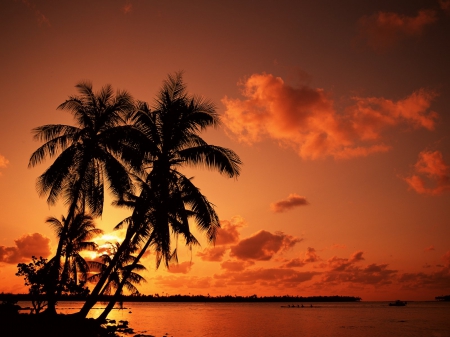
292 201
26 246
263 245
383 30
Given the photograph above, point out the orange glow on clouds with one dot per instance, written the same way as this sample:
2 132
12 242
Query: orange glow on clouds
431 166
26 246
305 119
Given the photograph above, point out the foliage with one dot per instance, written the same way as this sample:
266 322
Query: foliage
35 275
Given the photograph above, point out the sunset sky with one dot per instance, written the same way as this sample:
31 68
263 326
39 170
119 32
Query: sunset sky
339 110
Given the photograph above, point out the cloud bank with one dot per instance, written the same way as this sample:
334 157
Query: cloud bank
26 246
304 118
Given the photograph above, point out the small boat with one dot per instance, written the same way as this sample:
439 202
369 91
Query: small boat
397 303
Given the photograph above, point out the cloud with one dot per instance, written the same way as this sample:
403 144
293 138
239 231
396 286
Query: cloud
435 280
272 277
310 257
3 162
40 18
236 266
181 268
127 8
429 249
228 233
263 245
431 166
212 253
383 30
305 119
445 5
292 201
26 246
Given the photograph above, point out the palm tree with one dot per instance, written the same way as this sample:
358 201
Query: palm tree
90 154
168 199
115 278
79 232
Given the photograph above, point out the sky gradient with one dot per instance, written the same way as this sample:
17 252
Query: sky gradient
338 110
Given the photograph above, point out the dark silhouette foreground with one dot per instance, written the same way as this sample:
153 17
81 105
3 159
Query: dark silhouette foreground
44 325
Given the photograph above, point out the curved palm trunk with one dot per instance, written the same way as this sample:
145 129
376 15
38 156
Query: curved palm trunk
119 289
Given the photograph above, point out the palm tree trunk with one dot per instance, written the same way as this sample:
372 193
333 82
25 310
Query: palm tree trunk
119 289
54 276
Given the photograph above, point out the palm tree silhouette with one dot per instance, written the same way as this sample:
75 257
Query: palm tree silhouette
168 199
116 277
90 154
79 232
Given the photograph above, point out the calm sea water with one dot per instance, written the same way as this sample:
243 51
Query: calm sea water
375 319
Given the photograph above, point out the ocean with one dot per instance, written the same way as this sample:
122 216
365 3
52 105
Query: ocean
371 319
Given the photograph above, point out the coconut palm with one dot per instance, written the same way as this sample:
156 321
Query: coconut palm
168 199
90 154
115 278
79 233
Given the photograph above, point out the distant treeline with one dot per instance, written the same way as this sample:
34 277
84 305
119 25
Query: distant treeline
443 298
196 298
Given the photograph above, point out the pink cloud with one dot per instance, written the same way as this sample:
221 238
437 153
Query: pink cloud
429 249
431 166
305 119
212 253
263 245
292 201
383 30
26 246
181 268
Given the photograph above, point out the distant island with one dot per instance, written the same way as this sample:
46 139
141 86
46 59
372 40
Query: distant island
443 298
198 298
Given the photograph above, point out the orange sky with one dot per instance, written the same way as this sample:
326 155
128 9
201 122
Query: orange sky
340 111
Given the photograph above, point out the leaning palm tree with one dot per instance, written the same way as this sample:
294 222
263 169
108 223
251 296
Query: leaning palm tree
91 154
168 199
79 233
